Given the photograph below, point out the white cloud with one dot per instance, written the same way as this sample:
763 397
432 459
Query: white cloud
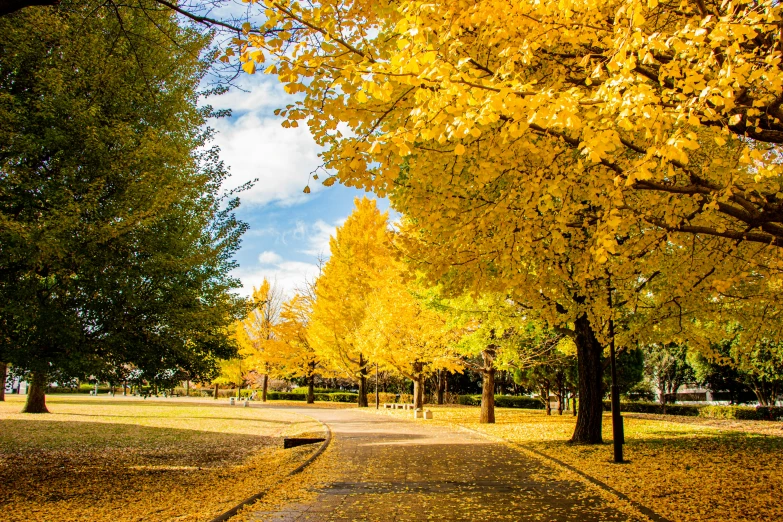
269 258
288 275
303 238
318 240
261 93
256 147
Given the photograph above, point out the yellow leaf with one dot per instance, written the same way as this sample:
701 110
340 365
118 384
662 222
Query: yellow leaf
459 150
249 67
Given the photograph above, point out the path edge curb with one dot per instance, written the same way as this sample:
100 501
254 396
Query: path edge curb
644 510
225 516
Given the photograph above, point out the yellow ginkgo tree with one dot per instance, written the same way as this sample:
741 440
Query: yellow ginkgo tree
360 250
573 154
256 333
294 356
405 336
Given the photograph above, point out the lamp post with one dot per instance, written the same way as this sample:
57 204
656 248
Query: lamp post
377 397
618 433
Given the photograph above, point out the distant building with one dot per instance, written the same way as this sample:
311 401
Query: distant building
15 385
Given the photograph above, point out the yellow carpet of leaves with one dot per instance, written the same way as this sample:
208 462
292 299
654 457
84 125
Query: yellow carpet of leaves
128 459
682 471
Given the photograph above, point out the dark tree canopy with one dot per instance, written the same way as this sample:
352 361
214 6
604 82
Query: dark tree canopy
115 241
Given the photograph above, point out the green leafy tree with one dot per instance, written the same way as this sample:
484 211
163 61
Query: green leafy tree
116 242
734 368
667 367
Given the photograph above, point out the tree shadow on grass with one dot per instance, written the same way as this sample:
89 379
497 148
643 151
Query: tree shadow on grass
112 415
65 470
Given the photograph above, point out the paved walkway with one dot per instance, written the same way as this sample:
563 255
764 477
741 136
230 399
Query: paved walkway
389 469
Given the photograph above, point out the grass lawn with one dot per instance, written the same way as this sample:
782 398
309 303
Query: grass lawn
124 459
687 472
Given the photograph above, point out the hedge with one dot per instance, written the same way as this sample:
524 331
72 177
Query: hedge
326 397
303 390
653 407
503 401
774 413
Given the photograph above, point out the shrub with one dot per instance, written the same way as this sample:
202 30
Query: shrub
517 401
385 397
504 401
653 407
469 400
773 413
84 388
326 397
342 397
303 390
729 412
194 392
285 396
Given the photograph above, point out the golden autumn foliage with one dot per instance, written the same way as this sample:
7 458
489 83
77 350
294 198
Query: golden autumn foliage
360 251
590 129
294 356
124 459
256 339
402 334
602 161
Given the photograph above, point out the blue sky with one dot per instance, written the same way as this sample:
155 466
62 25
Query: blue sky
288 229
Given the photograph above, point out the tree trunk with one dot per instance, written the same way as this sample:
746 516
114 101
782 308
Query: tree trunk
441 386
590 415
488 386
362 400
311 389
560 398
548 403
264 387
662 395
36 394
418 385
124 388
762 393
216 391
574 408
187 388
487 396
3 375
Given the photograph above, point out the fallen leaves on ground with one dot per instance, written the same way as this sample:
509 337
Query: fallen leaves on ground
682 471
406 471
128 459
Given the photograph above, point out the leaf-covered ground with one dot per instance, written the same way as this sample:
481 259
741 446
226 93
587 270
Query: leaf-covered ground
687 472
129 459
384 469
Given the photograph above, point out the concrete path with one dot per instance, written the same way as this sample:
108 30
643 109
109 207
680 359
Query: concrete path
388 469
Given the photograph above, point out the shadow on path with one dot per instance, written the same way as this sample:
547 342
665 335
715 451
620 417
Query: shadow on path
387 469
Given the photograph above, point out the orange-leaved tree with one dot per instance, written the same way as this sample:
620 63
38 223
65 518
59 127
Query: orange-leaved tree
293 353
405 335
358 253
256 333
565 153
